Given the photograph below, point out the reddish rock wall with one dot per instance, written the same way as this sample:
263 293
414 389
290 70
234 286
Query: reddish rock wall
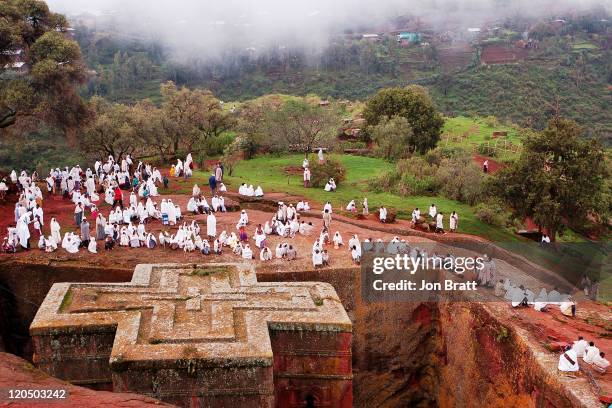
486 356
16 371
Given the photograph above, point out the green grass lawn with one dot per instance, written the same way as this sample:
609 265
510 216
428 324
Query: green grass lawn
269 172
467 132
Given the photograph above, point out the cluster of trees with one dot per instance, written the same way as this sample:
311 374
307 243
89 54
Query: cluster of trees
403 121
277 123
184 122
451 174
559 179
47 90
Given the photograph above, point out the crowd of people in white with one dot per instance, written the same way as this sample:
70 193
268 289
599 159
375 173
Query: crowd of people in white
125 225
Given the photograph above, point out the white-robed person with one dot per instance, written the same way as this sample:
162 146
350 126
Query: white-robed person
259 237
247 252
244 218
351 207
92 246
382 214
55 231
433 211
171 209
337 239
195 191
330 185
568 360
23 230
211 226
321 157
258 192
265 254
453 221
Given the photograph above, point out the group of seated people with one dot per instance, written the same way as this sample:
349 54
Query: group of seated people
520 296
249 191
199 205
587 351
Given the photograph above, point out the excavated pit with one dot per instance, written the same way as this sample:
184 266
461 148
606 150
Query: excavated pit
404 354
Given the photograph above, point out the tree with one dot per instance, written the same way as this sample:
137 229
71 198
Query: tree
558 177
112 132
191 116
392 136
412 103
48 90
301 126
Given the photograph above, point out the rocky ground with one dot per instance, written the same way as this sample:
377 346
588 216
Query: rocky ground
16 373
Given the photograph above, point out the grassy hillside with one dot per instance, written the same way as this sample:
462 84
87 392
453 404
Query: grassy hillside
269 172
470 133
528 94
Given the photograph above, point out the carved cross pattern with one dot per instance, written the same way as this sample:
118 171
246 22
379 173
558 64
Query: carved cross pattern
220 311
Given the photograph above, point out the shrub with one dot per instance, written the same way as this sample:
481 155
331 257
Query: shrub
486 150
413 185
493 213
460 179
321 173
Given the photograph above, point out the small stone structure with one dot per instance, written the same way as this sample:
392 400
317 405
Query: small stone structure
194 335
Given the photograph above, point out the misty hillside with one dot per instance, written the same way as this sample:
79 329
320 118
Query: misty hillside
511 69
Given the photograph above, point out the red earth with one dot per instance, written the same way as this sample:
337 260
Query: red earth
592 320
493 165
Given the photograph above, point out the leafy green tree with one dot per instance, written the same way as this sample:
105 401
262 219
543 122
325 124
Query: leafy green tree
559 177
191 116
412 103
301 126
112 132
392 137
48 90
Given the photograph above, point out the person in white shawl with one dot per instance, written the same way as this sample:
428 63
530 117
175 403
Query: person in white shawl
382 214
244 218
71 243
133 199
23 231
192 205
211 225
55 231
242 190
265 254
321 157
330 185
93 246
337 240
351 206
152 188
250 191
222 188
50 244
258 192
294 227
171 209
247 252
195 191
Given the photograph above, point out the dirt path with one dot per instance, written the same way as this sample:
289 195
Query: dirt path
493 165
